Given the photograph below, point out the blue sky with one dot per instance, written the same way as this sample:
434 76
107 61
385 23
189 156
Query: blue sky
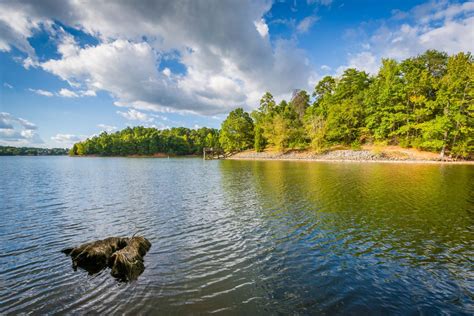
70 71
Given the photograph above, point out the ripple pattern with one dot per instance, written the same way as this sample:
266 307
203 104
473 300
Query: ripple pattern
240 237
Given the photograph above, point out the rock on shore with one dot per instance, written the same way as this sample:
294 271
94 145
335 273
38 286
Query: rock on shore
387 154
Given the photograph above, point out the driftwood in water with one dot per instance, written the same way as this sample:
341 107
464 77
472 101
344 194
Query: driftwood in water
123 255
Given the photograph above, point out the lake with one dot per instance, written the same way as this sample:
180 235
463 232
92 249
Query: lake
240 237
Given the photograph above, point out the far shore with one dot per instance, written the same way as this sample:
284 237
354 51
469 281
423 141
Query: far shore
367 154
158 155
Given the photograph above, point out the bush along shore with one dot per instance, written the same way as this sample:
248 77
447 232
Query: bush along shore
424 103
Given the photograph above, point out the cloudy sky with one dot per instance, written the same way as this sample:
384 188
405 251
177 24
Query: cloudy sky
70 69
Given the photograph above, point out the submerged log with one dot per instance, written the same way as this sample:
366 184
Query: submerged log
124 255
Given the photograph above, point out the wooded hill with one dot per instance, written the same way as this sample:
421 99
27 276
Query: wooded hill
425 102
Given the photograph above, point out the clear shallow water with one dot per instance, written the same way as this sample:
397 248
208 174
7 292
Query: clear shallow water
240 236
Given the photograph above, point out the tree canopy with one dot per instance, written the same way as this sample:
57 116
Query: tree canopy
425 102
31 151
148 141
237 131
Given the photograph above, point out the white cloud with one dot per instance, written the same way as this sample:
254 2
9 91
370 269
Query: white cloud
262 27
16 26
325 68
365 61
7 85
26 124
42 92
67 139
228 58
68 93
439 25
7 120
224 46
65 93
107 128
134 115
88 93
167 72
17 131
305 24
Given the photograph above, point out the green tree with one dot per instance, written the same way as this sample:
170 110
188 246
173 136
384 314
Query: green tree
300 102
237 131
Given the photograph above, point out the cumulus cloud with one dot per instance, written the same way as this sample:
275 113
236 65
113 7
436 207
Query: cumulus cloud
7 119
365 61
88 93
68 93
107 128
42 92
67 138
262 27
16 26
224 46
17 131
439 25
166 72
4 122
134 115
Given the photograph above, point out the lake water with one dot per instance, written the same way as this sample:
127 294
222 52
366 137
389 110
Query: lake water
242 237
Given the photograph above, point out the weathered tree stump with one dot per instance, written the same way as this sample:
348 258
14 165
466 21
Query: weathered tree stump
127 263
123 255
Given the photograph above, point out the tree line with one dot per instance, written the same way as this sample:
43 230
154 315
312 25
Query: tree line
148 141
31 151
423 102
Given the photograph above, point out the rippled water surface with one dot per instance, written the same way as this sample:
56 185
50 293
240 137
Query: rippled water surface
239 236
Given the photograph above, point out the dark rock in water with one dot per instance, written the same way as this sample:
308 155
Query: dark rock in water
123 255
127 263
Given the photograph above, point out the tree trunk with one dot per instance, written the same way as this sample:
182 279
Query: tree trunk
443 150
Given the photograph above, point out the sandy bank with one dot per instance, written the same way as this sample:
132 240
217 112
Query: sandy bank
387 154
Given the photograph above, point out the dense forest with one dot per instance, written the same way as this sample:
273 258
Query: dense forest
30 151
425 102
148 141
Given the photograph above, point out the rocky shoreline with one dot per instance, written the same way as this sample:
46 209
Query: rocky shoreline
407 155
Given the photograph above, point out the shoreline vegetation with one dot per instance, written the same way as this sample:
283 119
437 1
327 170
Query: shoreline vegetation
367 153
32 151
421 104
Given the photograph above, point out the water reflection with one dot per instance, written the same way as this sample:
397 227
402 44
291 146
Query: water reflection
373 228
239 236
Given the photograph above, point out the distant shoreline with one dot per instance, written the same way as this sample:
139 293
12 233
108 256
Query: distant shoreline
158 155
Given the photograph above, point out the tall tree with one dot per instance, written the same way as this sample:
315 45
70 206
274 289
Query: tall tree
237 131
300 102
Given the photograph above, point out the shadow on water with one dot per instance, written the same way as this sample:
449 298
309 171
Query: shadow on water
243 237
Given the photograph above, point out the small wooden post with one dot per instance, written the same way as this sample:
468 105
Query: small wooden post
204 153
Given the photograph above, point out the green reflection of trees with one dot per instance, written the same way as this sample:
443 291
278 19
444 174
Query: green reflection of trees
416 213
